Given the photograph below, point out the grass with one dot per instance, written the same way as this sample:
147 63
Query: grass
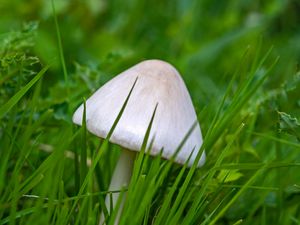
246 94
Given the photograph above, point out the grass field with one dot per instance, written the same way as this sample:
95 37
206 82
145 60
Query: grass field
240 62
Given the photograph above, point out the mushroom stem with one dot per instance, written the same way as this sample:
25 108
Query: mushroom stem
120 178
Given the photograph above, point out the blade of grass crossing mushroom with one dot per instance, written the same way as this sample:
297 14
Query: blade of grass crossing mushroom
147 158
154 179
186 182
162 173
83 149
130 207
148 181
100 151
76 163
167 166
86 207
151 182
121 111
105 210
99 173
137 178
139 161
172 159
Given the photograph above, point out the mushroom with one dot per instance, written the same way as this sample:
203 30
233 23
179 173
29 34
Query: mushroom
158 85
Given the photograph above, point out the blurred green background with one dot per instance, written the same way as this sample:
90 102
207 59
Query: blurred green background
206 40
201 38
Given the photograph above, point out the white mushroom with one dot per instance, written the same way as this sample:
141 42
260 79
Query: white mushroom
159 84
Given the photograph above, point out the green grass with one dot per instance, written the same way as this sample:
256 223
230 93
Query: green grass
239 61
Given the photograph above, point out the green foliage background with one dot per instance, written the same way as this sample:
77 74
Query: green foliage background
217 46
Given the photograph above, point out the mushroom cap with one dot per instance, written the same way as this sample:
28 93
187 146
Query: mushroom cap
158 83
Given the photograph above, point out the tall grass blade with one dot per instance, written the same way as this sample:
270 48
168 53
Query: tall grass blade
59 42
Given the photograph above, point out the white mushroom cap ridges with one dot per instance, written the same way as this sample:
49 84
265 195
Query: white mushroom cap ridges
158 82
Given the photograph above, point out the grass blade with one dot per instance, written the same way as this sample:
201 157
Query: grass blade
16 98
